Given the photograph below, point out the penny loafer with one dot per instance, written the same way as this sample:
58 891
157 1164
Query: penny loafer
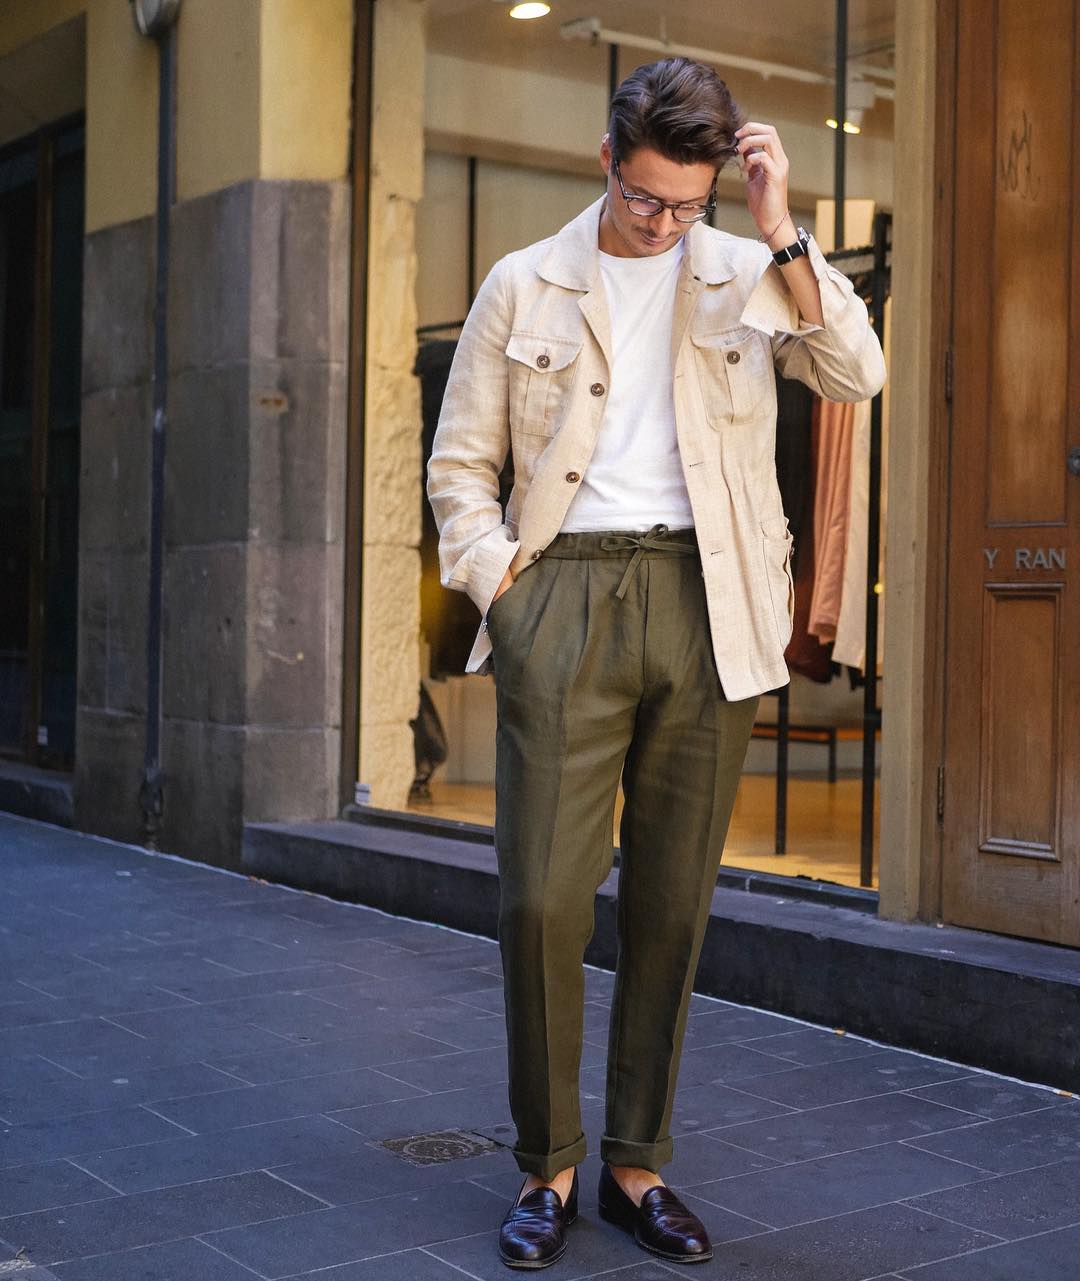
533 1233
661 1223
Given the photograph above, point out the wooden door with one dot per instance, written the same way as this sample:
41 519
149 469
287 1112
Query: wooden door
1011 781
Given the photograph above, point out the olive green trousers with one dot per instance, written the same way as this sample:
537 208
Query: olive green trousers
604 670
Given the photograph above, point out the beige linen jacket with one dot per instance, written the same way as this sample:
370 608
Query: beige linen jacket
531 374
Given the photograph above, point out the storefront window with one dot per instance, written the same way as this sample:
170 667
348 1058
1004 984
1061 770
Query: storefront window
515 113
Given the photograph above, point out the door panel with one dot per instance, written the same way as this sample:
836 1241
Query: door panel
1012 798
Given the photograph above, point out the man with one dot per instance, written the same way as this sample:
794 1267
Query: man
636 598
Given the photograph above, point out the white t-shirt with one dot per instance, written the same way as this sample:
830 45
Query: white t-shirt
635 478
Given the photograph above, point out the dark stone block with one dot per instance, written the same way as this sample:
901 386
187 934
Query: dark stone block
116 432
108 773
810 1190
208 456
848 1247
189 1159
1012 1205
204 789
211 269
253 1104
118 305
1050 1256
354 1232
377 1045
185 1260
67 1098
299 257
799 1136
204 676
78 1135
296 412
145 1218
52 1183
291 771
1013 1142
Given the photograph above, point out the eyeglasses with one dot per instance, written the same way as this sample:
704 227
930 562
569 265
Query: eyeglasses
649 206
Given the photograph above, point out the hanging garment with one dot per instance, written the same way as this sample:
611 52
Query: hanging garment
850 645
447 619
831 505
794 419
805 654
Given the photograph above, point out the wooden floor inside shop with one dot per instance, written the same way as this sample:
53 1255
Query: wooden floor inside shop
822 836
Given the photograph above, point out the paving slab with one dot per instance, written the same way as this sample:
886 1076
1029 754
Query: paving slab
199 1070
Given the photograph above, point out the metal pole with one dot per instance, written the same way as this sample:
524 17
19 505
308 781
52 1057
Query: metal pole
783 730
839 175
470 267
152 791
871 711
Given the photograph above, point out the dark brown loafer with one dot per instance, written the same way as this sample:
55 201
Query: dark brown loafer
533 1234
661 1223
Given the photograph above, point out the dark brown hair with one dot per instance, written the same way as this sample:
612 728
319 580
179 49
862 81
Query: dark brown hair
680 108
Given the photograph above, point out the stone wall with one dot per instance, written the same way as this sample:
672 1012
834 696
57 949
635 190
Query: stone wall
253 515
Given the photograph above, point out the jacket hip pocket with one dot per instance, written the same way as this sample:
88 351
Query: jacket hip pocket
777 545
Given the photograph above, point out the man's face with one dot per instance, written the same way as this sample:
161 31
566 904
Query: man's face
646 172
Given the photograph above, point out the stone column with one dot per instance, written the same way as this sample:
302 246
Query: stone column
255 449
390 637
904 801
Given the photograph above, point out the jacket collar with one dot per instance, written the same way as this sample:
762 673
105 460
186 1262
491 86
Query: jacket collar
573 261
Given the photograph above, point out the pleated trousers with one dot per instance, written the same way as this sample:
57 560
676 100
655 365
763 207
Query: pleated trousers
604 671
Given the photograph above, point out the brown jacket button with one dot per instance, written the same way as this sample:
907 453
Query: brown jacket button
597 389
733 358
572 477
543 361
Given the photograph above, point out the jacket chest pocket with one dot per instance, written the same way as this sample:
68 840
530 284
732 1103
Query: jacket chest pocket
541 372
734 368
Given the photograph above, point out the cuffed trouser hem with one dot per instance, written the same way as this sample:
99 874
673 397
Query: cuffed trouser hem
548 1165
649 1156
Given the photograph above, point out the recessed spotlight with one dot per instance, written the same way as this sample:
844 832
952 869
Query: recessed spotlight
849 127
533 9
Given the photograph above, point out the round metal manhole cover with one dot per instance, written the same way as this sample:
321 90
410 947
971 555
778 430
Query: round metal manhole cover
438 1147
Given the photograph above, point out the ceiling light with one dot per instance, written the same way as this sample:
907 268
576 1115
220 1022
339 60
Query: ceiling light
534 9
849 125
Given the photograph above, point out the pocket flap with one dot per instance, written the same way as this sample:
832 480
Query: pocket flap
731 337
542 354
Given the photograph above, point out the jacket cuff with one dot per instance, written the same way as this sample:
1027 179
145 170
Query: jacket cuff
772 308
483 567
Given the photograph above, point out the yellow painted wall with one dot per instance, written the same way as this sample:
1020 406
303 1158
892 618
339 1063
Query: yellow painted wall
306 81
121 117
263 91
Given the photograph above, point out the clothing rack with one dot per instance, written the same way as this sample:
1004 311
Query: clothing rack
869 267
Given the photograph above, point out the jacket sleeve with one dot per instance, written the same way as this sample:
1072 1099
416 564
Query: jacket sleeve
841 359
470 446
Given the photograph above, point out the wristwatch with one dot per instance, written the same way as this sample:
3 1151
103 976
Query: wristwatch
799 247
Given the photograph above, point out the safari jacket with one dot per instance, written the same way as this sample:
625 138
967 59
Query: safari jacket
531 374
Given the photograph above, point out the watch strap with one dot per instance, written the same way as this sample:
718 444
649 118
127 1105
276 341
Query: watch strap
795 250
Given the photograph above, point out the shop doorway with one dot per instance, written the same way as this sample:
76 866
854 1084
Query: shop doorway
41 240
1010 787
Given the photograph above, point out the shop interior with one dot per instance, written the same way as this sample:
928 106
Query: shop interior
515 109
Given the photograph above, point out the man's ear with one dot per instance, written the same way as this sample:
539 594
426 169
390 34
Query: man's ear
605 152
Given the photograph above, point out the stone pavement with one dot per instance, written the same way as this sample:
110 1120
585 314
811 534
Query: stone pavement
197 1072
